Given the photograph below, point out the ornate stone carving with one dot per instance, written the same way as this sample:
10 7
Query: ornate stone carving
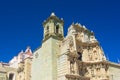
36 55
20 69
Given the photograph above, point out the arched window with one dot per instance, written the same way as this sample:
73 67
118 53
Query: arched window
47 28
57 28
11 75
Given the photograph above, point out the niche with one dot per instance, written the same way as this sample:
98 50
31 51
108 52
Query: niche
11 75
80 56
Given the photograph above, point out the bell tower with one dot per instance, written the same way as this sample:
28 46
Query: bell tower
53 27
45 57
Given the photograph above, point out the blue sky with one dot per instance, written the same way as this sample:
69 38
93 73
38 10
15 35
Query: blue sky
21 23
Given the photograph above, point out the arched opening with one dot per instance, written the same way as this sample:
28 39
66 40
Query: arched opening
57 28
80 56
11 76
47 28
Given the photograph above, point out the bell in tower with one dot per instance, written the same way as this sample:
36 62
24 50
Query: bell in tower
53 27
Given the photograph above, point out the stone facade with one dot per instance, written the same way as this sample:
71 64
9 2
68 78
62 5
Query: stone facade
24 66
114 70
19 68
77 56
7 72
83 55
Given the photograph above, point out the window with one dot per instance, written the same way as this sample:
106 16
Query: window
57 28
11 76
47 28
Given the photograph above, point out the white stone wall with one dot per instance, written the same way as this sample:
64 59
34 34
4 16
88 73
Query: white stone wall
44 65
114 70
63 67
41 65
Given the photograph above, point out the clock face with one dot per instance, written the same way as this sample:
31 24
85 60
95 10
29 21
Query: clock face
36 55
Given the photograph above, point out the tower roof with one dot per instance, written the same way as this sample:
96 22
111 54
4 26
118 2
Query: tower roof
53 17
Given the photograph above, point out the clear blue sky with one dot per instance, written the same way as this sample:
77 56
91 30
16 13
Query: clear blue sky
21 23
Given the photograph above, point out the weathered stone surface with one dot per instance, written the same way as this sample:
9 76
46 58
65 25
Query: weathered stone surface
78 56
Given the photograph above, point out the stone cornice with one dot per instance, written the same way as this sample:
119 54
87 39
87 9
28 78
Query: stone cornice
54 37
3 71
73 76
86 44
92 63
114 64
55 18
29 58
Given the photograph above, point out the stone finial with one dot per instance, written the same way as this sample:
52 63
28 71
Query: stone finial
72 23
79 24
52 14
28 51
118 61
21 51
84 27
44 20
61 18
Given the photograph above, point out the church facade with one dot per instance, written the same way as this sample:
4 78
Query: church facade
18 68
77 56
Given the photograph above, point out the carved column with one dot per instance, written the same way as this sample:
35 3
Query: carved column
74 41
